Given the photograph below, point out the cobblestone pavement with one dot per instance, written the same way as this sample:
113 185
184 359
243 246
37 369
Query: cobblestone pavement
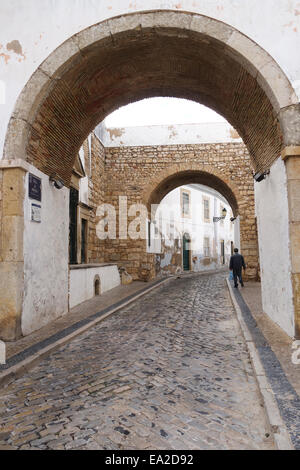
171 371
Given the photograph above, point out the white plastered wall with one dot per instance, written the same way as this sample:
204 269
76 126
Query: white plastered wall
82 282
170 212
45 256
273 236
211 132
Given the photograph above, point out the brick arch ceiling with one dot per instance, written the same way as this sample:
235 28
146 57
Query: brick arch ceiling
193 177
131 65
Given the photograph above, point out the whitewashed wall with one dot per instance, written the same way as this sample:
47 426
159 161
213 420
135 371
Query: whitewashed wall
212 132
47 284
45 257
169 211
273 231
40 26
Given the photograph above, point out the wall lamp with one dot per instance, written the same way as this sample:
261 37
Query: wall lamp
261 176
56 182
224 212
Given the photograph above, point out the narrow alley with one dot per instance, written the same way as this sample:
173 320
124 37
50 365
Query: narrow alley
170 371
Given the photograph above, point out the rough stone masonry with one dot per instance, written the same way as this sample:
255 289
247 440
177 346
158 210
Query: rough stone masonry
146 174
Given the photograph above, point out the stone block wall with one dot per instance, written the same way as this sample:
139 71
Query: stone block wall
136 172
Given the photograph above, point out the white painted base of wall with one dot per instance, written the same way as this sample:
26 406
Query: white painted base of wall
45 256
273 235
82 281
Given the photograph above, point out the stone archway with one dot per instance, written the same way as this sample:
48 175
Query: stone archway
187 173
222 181
155 53
146 54
169 168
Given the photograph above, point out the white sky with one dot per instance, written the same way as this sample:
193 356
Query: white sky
158 111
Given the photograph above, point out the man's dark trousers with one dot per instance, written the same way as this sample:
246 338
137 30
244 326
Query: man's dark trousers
235 278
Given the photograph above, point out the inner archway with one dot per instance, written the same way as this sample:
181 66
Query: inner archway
186 203
189 174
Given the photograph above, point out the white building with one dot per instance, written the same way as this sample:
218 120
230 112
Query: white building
185 235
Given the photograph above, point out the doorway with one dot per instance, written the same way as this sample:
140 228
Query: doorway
186 252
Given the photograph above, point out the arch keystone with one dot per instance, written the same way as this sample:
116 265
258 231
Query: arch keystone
125 23
166 19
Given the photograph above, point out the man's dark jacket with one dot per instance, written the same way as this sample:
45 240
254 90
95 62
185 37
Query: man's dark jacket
237 263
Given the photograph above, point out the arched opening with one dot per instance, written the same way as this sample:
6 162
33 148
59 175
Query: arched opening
157 53
174 177
193 231
142 55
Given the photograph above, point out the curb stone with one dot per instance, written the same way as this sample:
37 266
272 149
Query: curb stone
280 433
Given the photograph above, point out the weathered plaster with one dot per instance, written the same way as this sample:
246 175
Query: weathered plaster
137 136
45 257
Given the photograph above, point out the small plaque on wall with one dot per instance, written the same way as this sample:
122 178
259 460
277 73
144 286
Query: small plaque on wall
35 187
36 215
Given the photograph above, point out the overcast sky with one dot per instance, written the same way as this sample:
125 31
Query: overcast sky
156 111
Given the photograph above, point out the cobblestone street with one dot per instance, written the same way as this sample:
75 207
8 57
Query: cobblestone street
171 371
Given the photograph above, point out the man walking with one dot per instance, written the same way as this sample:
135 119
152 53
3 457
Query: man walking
236 264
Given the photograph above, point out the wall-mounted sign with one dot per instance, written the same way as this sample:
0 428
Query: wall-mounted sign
35 187
36 213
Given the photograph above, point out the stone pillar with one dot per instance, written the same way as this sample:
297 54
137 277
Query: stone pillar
12 183
291 156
